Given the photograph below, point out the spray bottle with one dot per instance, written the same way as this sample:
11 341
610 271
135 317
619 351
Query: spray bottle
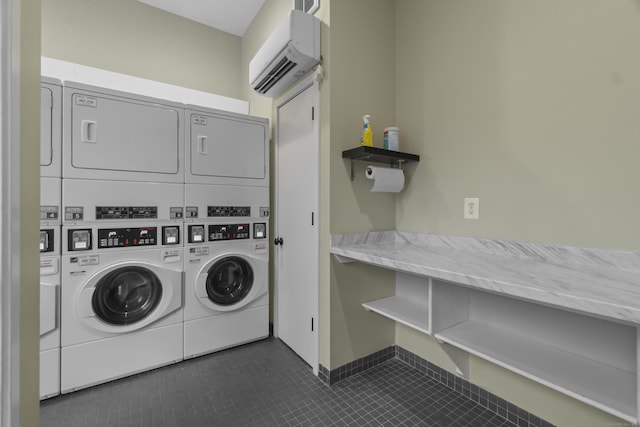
367 134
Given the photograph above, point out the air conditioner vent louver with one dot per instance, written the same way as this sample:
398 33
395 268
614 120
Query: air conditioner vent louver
279 71
292 50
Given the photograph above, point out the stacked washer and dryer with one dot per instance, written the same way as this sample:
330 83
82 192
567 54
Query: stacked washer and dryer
154 233
50 202
226 218
122 249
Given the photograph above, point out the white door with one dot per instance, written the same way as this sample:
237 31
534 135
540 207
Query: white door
296 207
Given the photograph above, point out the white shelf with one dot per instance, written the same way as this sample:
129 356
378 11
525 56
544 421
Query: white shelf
605 387
410 313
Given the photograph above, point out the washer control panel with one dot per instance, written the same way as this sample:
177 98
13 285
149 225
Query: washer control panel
228 232
127 237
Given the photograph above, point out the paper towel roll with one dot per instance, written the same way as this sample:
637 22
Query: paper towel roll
385 179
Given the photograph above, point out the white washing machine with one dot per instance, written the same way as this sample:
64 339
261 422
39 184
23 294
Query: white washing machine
226 268
122 287
50 128
111 135
226 148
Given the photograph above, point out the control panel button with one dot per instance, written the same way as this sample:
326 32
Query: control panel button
196 233
79 240
260 230
191 212
170 235
176 213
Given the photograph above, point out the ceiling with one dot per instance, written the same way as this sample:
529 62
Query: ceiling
231 16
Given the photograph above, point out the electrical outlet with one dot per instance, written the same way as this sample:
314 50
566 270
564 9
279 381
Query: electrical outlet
471 208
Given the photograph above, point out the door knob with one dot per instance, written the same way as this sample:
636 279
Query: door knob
278 241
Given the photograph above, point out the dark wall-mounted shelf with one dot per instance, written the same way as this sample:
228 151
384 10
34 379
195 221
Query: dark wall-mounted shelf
378 155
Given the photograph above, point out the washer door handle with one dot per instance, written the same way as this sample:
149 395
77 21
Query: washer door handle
278 241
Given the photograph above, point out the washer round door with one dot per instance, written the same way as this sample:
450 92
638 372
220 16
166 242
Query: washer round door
126 295
229 280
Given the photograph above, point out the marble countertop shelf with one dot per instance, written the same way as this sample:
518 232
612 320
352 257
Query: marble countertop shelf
597 282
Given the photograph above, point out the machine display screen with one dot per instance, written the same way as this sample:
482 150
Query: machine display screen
218 211
125 237
228 232
126 212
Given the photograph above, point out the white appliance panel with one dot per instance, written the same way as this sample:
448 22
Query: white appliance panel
201 196
50 201
46 103
231 329
168 198
48 315
50 323
50 127
120 356
119 136
226 148
49 373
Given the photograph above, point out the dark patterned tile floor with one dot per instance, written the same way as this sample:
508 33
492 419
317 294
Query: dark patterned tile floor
266 384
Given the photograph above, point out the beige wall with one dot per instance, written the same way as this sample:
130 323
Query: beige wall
533 107
362 70
130 37
29 212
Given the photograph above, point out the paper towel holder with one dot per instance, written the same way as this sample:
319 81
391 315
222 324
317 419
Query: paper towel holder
377 155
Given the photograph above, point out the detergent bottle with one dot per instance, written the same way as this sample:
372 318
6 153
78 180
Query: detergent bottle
367 134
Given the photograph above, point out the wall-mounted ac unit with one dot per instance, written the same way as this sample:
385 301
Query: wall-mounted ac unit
290 52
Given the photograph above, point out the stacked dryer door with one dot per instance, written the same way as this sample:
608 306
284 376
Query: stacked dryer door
226 267
50 211
224 148
110 135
